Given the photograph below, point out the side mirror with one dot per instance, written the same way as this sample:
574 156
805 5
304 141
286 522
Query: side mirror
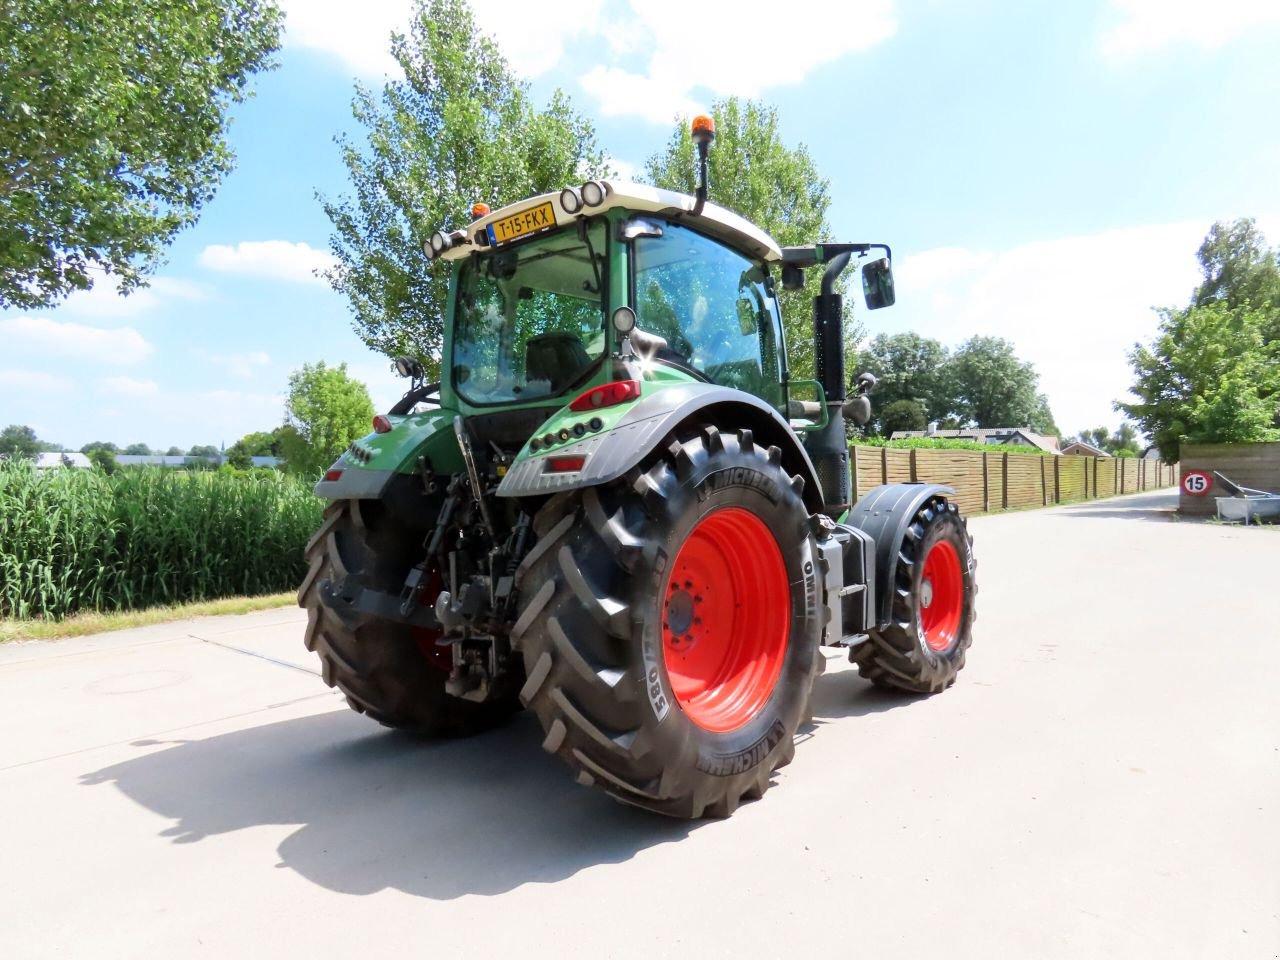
858 409
877 284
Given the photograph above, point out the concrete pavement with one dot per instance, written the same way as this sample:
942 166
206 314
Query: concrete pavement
1103 780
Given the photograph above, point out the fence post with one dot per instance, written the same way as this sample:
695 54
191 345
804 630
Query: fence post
1057 479
884 464
1004 481
1044 485
912 460
986 485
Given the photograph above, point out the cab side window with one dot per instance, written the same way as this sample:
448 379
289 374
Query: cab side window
713 308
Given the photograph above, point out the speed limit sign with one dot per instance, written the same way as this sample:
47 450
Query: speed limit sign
1196 483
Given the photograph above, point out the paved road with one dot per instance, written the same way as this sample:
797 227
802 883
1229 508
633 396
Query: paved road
1104 780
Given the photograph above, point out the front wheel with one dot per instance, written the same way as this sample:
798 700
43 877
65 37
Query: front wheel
923 647
670 626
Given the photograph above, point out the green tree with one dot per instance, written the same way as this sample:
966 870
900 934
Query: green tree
326 410
173 452
107 445
991 387
902 415
1239 270
909 368
103 459
261 444
113 119
203 450
1125 438
137 450
1098 437
19 443
458 129
239 456
1209 376
777 187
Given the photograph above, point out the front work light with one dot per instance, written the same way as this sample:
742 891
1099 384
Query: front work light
571 199
593 193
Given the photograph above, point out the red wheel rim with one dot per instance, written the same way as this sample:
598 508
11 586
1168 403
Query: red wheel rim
941 596
725 619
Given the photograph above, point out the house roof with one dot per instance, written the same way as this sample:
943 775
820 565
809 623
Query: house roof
1080 448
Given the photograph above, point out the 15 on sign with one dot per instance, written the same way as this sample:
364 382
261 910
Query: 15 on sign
1196 483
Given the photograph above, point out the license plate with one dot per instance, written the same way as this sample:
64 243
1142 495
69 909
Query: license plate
520 224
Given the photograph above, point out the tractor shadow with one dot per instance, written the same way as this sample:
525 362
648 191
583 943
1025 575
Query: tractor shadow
376 809
841 693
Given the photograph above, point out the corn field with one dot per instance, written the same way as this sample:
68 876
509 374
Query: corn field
74 541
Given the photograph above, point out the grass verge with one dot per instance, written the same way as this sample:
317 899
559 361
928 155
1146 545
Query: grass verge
86 623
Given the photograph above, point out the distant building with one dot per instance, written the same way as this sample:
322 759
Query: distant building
49 460
1012 436
1078 448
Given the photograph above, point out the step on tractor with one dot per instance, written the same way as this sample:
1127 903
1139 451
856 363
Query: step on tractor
618 509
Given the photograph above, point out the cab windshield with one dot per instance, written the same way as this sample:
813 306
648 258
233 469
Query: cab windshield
529 320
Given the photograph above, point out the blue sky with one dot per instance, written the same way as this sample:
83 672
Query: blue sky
1044 172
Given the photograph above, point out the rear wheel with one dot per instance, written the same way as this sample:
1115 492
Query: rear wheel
670 626
389 671
923 647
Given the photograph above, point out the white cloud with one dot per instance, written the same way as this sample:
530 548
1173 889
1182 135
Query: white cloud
127 387
242 365
1074 307
34 381
357 33
277 259
532 35
1150 25
104 301
48 337
711 48
656 99
725 47
624 169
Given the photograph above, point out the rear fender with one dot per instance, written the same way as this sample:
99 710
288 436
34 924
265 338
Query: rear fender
657 414
885 513
370 463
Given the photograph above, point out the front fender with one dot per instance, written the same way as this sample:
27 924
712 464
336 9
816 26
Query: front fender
614 451
885 513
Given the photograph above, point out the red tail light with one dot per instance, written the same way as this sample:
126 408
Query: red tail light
607 396
332 475
381 424
565 464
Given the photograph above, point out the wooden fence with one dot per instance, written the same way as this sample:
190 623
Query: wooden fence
1255 465
986 482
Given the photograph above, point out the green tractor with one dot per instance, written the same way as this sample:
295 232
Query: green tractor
618 509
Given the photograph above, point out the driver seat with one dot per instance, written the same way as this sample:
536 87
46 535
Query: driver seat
556 357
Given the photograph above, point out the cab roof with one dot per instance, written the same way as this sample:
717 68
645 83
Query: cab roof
725 225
